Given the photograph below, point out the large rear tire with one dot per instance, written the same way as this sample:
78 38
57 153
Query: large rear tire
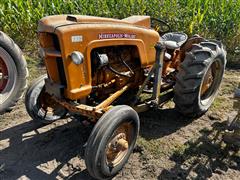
111 142
199 78
13 73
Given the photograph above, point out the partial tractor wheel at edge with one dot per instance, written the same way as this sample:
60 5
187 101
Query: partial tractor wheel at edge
13 73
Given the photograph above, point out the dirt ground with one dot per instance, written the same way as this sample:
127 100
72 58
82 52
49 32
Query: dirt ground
169 146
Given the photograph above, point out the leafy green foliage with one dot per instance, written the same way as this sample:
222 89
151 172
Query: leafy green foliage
218 19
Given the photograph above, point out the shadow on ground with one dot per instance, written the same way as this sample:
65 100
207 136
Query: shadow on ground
204 156
33 149
159 123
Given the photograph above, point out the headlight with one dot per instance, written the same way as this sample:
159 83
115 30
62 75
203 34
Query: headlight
77 57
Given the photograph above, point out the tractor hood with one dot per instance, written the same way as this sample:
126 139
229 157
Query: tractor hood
50 23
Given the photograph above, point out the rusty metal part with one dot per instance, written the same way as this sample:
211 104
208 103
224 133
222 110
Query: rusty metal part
89 111
164 87
207 81
118 145
122 59
176 59
104 85
147 105
49 105
112 98
193 40
180 55
84 110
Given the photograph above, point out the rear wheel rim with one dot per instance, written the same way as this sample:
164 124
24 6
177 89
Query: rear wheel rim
211 82
8 75
119 144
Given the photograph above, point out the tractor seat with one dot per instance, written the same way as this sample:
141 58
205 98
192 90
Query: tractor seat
174 40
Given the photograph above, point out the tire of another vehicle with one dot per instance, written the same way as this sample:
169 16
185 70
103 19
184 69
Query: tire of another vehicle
13 61
105 130
206 60
33 103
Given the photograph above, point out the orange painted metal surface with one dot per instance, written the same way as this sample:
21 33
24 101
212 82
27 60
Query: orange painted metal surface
83 34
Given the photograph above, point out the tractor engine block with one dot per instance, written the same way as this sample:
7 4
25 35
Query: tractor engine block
115 66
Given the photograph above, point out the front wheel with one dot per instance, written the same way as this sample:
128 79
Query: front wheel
199 78
39 104
111 142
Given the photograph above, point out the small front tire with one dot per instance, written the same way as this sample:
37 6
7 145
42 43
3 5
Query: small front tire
111 142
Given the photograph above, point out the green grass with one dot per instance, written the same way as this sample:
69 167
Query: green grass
218 103
216 19
161 147
34 68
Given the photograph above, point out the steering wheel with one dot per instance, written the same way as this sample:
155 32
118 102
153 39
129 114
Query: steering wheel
160 26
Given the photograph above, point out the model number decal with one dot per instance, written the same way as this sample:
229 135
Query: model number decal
116 36
77 38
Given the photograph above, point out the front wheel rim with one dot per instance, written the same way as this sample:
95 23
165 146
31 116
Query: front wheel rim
118 145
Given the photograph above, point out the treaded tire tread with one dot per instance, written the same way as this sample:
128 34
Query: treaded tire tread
191 73
22 72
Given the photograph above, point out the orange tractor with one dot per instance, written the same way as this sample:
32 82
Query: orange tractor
100 69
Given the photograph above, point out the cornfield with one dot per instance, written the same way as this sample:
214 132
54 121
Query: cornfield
218 19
